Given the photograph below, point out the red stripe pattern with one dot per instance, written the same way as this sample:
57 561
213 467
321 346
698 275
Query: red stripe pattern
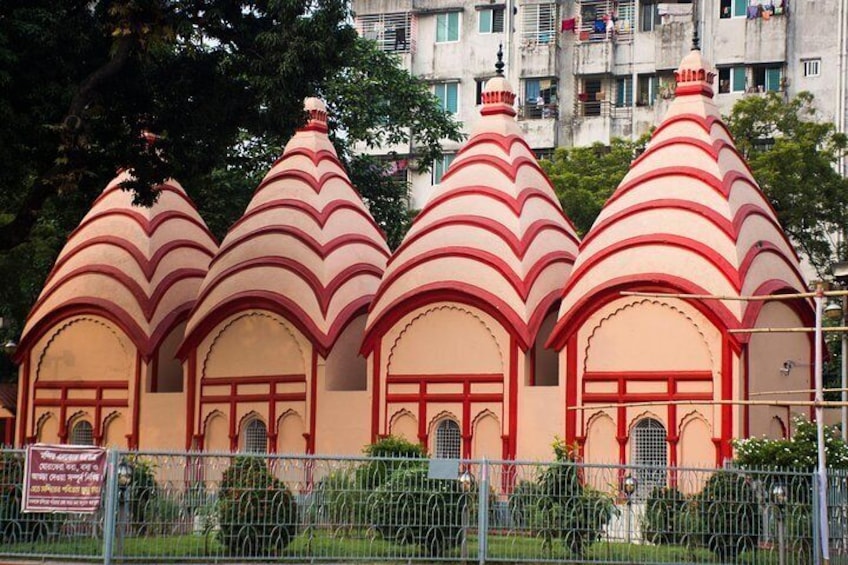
306 245
493 228
135 266
689 209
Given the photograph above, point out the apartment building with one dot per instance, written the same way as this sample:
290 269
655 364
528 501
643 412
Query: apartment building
590 70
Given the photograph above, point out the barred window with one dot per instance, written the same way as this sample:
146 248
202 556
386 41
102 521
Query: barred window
255 437
649 454
392 32
538 23
448 440
82 434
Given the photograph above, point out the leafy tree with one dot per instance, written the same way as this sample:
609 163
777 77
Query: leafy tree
793 157
664 522
585 177
222 82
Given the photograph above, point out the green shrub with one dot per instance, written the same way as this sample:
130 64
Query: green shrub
521 499
725 515
561 507
257 514
664 520
14 525
388 455
409 508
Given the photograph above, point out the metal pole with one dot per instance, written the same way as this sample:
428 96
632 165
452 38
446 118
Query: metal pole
844 370
111 499
822 467
483 513
781 537
629 518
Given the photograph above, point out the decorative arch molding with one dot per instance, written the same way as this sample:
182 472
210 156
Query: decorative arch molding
599 415
247 418
288 414
455 307
645 415
246 314
67 323
438 418
76 417
113 415
210 416
637 302
482 415
690 417
402 413
43 419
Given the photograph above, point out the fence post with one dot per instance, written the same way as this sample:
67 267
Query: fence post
483 513
817 548
109 512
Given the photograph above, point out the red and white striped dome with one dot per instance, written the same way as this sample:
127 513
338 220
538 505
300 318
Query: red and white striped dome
493 232
306 246
140 267
688 217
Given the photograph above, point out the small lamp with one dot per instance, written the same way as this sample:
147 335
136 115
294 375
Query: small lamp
125 474
629 486
778 495
833 311
466 479
10 347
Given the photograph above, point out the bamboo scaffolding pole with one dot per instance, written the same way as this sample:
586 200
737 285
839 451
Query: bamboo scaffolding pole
799 391
832 329
749 298
777 403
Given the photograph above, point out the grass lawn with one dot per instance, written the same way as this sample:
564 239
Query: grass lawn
322 545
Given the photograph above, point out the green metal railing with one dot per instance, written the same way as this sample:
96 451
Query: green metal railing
200 507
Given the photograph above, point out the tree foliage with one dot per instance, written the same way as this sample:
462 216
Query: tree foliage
221 82
793 157
585 177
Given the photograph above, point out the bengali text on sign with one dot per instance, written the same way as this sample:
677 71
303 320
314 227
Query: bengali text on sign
63 478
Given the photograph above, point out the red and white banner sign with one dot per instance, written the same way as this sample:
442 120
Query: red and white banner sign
63 478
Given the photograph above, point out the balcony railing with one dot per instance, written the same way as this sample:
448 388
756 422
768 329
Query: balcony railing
538 111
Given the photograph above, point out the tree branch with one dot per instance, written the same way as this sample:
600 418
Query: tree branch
18 230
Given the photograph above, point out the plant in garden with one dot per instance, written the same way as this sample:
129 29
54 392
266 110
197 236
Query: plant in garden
664 522
798 452
410 508
564 508
257 514
14 525
725 516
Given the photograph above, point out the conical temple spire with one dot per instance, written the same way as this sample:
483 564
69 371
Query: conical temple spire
317 114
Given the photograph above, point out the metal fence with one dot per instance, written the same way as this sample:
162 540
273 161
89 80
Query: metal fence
199 507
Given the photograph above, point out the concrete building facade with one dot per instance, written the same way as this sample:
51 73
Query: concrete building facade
589 70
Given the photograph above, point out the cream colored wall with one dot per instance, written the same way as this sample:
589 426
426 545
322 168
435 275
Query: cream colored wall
163 421
767 353
81 349
646 334
446 338
254 343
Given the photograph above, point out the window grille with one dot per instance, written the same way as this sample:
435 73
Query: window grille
448 440
812 67
441 166
649 454
255 437
82 434
538 24
392 32
448 95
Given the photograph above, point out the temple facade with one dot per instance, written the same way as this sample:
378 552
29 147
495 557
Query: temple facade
491 330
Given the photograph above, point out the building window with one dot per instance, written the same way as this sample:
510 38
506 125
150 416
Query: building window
448 95
392 32
731 79
592 97
447 27
768 78
481 86
448 440
649 15
812 67
649 453
491 20
440 167
733 8
647 87
540 98
538 23
255 437
623 92
82 434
